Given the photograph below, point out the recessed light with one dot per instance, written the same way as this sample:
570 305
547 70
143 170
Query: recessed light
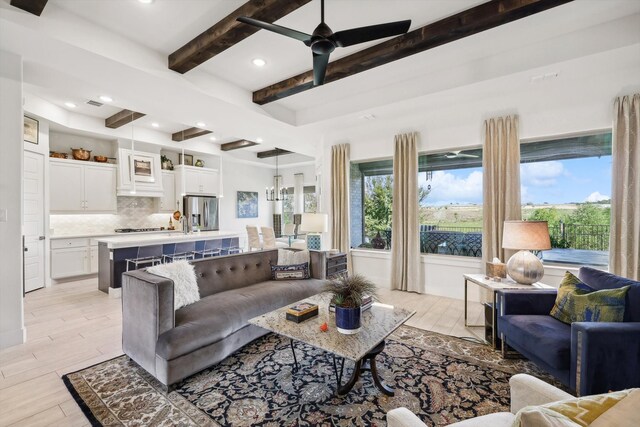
146 1
70 104
155 125
258 139
105 98
213 138
201 124
259 62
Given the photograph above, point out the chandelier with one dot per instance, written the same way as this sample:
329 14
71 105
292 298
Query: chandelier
277 192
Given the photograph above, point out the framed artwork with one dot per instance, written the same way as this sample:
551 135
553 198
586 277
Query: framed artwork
143 167
247 204
30 130
187 160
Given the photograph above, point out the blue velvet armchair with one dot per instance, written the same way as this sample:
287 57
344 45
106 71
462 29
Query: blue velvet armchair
588 357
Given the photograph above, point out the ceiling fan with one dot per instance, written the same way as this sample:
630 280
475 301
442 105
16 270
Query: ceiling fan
323 40
457 154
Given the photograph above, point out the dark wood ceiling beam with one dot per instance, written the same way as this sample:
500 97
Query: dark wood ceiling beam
32 6
273 153
183 135
235 145
466 23
229 31
122 118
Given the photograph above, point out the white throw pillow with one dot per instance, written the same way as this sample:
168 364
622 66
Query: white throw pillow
185 284
287 257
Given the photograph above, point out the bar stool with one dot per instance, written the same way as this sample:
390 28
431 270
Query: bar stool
146 255
181 251
234 250
210 249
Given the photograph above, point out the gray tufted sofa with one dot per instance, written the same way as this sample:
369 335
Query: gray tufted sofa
172 345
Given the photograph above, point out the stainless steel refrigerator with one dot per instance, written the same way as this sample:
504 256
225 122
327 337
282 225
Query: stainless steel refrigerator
201 213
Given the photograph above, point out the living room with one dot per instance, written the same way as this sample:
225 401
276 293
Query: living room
558 82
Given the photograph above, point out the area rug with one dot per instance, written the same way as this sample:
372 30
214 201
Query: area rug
440 378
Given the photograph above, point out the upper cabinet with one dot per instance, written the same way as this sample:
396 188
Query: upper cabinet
167 203
139 174
197 181
82 187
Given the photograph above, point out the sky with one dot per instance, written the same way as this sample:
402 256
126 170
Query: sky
553 182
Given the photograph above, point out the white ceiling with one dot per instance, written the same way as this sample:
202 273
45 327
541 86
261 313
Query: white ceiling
80 49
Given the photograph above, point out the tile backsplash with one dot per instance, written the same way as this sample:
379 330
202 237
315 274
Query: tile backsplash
133 212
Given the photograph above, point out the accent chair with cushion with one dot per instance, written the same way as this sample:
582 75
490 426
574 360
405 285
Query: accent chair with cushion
588 357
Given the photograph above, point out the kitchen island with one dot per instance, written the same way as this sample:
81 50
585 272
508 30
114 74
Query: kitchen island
113 251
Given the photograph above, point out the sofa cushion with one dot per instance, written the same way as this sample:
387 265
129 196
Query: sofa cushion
598 279
577 302
217 316
547 338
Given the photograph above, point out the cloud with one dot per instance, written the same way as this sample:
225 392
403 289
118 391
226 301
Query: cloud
596 197
448 188
541 174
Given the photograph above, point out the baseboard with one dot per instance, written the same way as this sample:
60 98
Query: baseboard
115 292
14 337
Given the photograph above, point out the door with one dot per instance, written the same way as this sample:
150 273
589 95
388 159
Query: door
93 259
191 182
100 189
69 262
168 200
66 187
34 243
209 182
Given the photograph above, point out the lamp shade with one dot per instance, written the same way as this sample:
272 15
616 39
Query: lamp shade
527 235
315 222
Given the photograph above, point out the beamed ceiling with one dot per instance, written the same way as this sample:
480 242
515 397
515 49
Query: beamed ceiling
78 49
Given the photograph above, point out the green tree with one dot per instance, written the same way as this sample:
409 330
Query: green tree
590 214
378 202
551 215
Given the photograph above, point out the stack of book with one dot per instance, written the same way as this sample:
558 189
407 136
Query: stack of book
367 302
301 312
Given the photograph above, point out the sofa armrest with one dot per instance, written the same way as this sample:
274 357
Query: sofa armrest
604 356
527 390
524 301
402 417
147 312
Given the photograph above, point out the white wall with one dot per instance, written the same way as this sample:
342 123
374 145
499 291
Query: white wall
11 134
579 100
239 176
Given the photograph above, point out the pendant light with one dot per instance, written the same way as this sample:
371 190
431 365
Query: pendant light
277 192
133 160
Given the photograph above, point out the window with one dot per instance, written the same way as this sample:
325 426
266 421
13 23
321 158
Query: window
567 182
450 197
287 207
310 201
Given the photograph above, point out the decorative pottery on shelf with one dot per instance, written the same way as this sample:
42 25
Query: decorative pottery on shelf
347 293
378 242
199 163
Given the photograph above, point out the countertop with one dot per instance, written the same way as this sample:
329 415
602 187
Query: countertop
96 235
142 239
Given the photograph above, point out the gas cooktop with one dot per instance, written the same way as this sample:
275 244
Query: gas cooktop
137 230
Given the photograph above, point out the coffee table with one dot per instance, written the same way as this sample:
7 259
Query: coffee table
362 348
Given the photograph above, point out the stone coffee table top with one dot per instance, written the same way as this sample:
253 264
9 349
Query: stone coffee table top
377 323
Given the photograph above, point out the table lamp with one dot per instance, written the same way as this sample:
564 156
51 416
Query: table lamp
524 267
313 224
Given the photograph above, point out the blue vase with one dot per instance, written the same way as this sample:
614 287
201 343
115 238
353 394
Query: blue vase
348 320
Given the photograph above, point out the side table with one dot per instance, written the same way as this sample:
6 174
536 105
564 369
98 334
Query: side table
336 265
492 285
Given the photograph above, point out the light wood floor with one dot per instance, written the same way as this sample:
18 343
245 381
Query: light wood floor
71 326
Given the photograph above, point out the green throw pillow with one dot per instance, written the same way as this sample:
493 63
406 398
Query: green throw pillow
577 302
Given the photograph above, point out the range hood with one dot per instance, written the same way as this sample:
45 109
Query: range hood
139 174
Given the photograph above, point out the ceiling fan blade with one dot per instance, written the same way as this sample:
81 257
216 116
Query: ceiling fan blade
373 32
295 34
319 68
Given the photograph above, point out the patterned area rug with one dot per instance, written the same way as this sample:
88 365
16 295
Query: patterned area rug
440 378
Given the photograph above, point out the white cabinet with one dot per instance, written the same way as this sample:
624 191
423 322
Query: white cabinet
73 257
167 203
82 187
197 181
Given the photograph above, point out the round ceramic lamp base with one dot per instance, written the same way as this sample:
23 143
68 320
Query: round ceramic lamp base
524 267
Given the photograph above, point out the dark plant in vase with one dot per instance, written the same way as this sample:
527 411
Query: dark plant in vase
347 293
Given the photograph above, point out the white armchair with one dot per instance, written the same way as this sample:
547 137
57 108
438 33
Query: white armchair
525 391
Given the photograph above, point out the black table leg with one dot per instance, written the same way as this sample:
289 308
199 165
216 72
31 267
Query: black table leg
295 360
367 363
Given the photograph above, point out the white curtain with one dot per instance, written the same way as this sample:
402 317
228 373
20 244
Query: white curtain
340 200
405 230
501 183
298 193
624 240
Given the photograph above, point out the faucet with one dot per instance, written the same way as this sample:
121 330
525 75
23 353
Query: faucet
185 225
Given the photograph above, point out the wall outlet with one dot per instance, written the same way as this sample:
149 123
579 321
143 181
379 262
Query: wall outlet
3 215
